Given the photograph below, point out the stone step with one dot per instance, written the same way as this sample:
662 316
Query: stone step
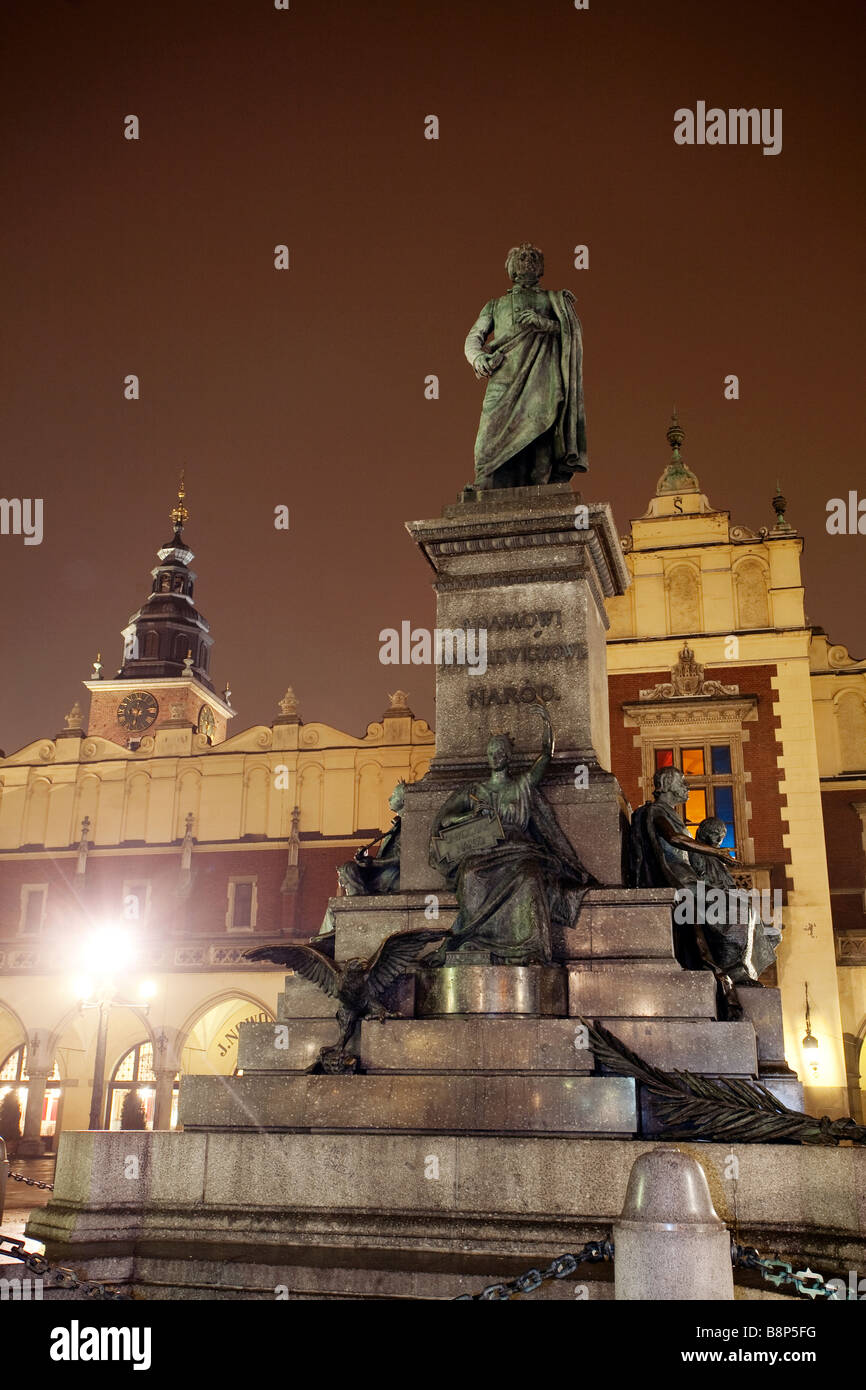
302 999
488 1045
613 923
621 924
291 1044
763 1008
480 1045
362 924
634 992
709 1048
453 1104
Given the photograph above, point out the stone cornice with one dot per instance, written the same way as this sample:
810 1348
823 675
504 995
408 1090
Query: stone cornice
525 519
724 712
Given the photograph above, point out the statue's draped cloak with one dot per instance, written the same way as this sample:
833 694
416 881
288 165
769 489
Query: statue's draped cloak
750 944
655 862
538 387
380 874
509 895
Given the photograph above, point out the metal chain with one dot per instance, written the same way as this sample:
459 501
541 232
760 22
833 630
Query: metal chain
32 1182
560 1268
58 1276
779 1272
774 1270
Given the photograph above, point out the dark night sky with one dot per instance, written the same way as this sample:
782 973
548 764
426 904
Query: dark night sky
305 387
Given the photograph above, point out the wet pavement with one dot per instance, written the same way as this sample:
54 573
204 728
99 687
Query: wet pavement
21 1200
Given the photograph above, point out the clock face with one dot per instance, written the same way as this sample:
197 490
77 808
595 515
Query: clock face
206 721
137 711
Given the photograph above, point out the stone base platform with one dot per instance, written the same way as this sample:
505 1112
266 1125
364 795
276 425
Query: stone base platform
615 925
368 1216
433 1103
616 965
485 1045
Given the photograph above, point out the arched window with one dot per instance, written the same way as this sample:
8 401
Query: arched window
14 1077
151 643
134 1072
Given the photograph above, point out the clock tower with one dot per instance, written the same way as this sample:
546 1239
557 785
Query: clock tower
164 677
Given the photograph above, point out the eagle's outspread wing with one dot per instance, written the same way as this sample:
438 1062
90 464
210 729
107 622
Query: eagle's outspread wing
304 961
396 956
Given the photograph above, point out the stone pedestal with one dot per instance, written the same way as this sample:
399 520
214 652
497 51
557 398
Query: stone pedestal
229 1215
530 567
615 965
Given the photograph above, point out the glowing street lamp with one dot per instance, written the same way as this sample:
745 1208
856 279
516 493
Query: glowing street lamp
108 954
810 1042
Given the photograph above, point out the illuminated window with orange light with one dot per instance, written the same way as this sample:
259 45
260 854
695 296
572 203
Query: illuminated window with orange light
709 771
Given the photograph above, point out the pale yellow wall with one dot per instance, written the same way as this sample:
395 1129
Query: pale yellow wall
232 790
808 951
839 696
729 600
246 785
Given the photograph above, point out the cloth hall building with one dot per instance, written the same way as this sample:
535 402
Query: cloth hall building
147 827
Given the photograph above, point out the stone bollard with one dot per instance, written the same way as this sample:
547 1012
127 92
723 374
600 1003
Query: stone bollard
5 1167
670 1243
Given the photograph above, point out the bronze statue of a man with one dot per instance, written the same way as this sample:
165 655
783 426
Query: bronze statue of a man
662 854
532 429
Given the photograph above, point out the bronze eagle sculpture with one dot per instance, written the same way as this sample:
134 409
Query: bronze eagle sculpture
359 986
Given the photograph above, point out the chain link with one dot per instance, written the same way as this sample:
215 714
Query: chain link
780 1272
560 1268
58 1276
32 1182
774 1270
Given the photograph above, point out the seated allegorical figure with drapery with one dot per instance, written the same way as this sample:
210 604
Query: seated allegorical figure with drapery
499 844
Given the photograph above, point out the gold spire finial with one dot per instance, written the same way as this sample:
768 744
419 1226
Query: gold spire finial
179 514
675 434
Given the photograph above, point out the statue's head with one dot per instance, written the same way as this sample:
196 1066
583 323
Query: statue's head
524 264
342 881
499 750
670 779
397 797
711 831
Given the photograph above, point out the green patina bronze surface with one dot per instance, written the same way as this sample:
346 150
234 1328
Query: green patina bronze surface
533 428
509 890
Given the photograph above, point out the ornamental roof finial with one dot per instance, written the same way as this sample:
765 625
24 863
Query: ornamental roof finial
677 477
179 514
780 506
675 434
